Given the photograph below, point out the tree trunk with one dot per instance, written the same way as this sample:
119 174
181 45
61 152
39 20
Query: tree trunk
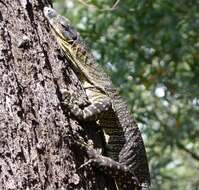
36 131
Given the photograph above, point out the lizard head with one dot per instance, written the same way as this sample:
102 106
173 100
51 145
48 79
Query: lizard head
60 25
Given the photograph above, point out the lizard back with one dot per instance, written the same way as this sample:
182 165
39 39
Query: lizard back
124 142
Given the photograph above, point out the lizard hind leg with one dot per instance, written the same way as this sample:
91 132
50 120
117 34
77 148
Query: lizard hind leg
125 180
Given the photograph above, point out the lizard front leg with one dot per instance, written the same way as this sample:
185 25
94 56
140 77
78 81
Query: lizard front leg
99 103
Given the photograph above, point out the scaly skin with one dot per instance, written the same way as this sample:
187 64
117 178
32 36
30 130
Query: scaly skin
125 146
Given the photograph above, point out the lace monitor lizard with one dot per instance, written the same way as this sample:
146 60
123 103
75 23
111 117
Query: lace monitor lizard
126 155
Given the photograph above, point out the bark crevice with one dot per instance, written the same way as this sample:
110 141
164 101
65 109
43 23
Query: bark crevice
36 131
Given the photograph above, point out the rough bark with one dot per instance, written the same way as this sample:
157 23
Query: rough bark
36 131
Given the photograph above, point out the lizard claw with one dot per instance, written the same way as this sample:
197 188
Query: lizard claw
136 181
85 164
66 95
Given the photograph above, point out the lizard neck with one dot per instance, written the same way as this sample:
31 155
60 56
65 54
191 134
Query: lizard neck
85 65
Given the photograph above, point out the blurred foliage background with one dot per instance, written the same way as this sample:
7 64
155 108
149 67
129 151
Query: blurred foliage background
151 50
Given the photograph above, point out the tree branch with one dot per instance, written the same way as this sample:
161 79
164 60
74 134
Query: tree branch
113 7
193 154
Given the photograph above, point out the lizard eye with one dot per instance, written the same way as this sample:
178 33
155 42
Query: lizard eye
64 26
